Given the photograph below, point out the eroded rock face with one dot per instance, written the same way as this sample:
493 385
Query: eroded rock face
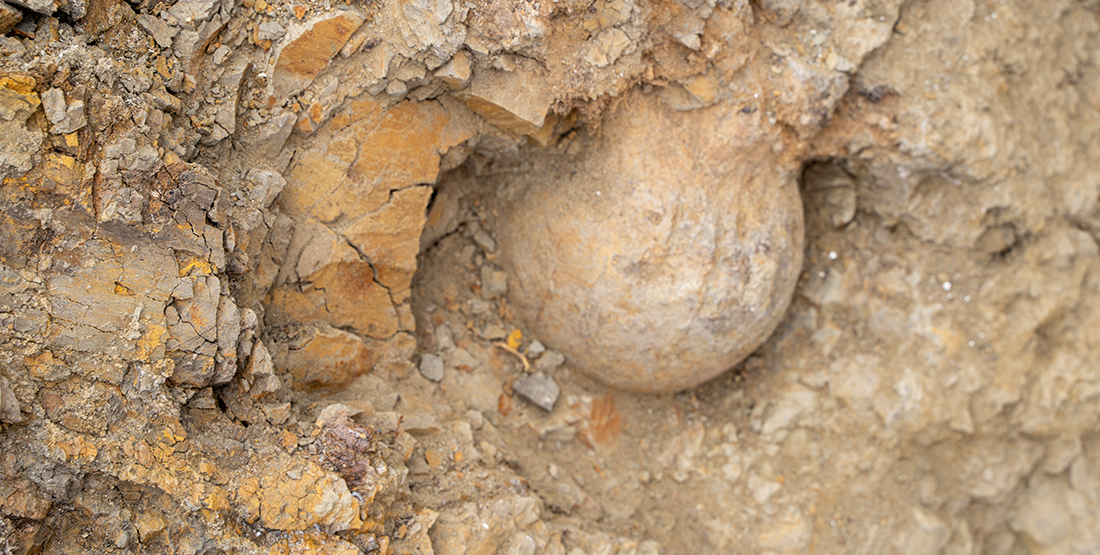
665 255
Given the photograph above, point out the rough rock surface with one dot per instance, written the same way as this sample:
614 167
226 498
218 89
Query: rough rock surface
213 283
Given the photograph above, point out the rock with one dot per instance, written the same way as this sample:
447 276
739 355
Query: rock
9 405
515 102
536 348
809 96
426 21
18 102
266 186
831 194
461 359
444 339
456 72
161 31
924 534
44 7
607 47
309 50
793 405
324 357
9 18
494 282
485 241
790 533
539 389
493 332
549 361
270 30
431 367
656 312
193 12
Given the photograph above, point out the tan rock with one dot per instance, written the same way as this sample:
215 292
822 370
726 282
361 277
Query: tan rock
402 150
456 72
515 101
390 237
17 102
372 314
658 270
307 54
327 358
304 496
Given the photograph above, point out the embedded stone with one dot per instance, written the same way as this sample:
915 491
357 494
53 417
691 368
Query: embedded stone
652 270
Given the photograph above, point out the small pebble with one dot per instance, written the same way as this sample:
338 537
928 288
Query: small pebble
494 282
431 367
493 332
549 361
535 349
485 241
539 389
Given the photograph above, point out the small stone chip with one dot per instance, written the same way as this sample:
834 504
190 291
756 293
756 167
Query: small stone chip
494 282
485 241
550 361
431 367
539 389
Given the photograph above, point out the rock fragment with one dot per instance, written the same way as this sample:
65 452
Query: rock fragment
9 405
515 101
44 7
539 389
309 51
18 102
161 31
270 30
456 72
550 361
431 367
494 282
9 18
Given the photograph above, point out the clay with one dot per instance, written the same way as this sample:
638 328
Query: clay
665 255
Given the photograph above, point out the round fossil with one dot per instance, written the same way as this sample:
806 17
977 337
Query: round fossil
660 251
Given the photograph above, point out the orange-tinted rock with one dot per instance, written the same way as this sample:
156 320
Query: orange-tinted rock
306 55
343 295
390 238
402 150
328 358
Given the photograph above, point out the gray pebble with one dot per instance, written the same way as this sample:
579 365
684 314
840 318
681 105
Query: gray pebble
485 241
550 361
494 282
431 367
535 349
539 389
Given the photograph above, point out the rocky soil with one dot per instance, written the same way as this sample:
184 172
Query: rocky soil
251 299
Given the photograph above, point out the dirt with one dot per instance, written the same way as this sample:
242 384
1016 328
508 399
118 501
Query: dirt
233 236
